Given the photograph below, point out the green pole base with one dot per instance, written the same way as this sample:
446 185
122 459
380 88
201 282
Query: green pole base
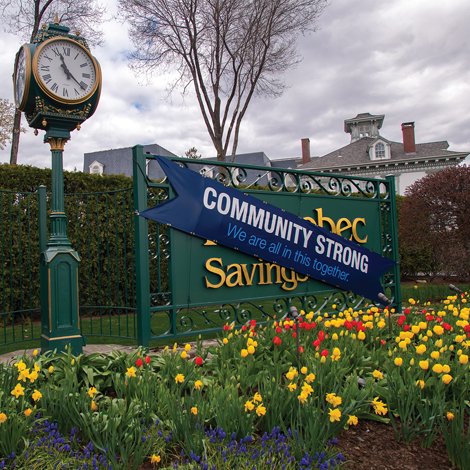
75 342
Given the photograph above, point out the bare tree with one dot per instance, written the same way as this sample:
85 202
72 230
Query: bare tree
7 112
24 18
230 50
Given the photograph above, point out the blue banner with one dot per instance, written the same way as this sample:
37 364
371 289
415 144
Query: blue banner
229 217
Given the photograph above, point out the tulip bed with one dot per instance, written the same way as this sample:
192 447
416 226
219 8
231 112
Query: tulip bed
253 401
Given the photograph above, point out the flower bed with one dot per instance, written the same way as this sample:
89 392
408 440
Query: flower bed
252 401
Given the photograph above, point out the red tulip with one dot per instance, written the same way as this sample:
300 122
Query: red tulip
139 362
199 361
277 341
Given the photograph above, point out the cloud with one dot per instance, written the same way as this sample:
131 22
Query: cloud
407 60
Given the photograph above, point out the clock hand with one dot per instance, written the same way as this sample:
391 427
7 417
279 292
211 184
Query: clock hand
68 73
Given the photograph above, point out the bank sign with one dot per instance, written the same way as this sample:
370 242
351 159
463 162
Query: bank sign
230 246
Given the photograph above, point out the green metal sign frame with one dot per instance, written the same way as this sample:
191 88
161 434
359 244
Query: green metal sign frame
201 274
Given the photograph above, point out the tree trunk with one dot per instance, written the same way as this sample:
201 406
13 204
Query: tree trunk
15 139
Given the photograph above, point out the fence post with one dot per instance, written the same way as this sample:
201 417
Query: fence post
141 247
393 230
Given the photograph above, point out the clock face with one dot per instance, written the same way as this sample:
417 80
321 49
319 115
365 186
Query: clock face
21 76
65 70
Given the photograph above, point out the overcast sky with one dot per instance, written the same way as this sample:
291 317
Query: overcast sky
407 59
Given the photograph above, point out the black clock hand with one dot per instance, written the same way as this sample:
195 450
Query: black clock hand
68 73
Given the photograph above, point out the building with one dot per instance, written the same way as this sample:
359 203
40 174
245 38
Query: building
373 156
117 161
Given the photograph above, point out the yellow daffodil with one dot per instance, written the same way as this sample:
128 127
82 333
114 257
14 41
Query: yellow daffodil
260 410
194 410
33 376
155 459
379 407
94 406
18 391
20 365
131 372
249 405
198 384
257 398
450 416
3 418
310 378
335 415
304 370
353 420
23 375
92 391
27 412
303 397
36 395
292 386
179 378
377 374
291 374
333 399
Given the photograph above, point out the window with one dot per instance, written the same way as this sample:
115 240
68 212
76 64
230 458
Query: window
380 150
96 168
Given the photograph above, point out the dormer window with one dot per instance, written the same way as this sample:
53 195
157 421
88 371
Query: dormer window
96 168
379 150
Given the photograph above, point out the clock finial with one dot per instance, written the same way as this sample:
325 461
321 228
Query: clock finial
56 21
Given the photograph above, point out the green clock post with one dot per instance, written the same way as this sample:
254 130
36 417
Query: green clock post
57 84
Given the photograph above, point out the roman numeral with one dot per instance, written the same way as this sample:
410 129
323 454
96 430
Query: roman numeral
77 92
55 50
83 85
65 92
83 65
54 87
47 78
85 75
67 51
45 68
48 58
75 58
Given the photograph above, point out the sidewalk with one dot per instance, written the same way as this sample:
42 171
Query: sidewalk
88 349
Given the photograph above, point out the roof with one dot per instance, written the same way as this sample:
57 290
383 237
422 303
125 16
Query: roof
356 153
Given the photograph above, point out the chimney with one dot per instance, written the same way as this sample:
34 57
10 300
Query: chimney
408 129
305 151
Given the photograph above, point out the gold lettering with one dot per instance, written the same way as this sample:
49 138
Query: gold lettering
248 278
301 279
269 267
218 271
354 230
326 219
261 274
286 279
237 273
340 229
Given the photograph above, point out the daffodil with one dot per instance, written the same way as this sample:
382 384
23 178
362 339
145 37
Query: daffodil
260 410
27 412
292 386
335 415
131 372
310 378
379 407
3 418
179 378
450 416
36 395
18 391
155 459
291 374
352 421
257 398
94 406
198 384
377 374
194 410
92 391
249 405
